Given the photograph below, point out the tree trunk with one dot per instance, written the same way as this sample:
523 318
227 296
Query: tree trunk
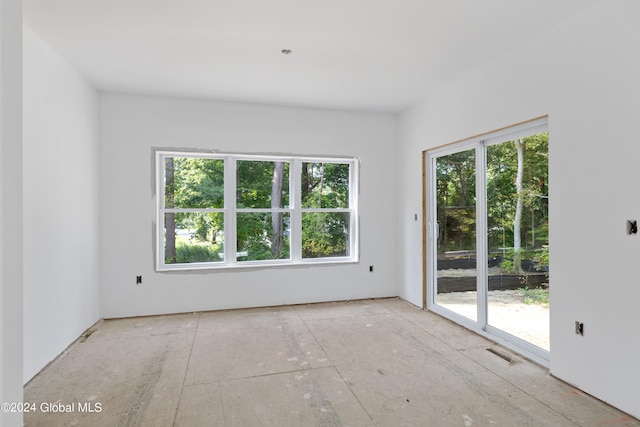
517 245
169 219
306 181
321 184
277 242
238 189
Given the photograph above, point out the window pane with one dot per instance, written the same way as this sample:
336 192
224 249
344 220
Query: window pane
193 237
325 234
194 183
325 185
263 236
518 238
456 278
262 184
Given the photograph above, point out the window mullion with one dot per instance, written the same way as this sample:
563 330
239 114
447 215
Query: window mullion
160 168
295 200
230 239
481 233
210 173
354 229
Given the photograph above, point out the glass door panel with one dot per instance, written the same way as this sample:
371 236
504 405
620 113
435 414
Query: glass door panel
455 194
517 238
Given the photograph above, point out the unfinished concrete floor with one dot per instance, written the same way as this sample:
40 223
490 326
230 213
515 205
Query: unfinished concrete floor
360 363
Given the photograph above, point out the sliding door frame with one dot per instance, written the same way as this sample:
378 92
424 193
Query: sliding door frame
479 143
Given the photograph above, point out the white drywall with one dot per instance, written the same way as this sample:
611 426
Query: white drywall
11 208
132 125
61 281
585 76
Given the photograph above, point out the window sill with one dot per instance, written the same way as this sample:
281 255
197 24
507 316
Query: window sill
253 265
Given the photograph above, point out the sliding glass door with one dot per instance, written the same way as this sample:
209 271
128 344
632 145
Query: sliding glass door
455 228
487 235
517 237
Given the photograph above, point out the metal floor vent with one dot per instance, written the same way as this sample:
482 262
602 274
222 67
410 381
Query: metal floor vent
500 354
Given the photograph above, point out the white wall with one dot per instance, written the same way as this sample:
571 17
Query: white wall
61 280
132 125
11 207
585 76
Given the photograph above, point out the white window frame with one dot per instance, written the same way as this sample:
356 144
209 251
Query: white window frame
230 210
479 144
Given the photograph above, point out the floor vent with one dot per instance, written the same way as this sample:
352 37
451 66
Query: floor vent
500 354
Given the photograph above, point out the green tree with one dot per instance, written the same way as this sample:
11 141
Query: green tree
455 183
277 226
193 183
517 220
517 195
169 219
325 186
262 185
517 198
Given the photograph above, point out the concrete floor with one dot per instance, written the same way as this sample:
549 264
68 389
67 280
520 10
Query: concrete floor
360 363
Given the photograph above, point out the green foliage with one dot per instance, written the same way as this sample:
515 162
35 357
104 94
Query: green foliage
325 234
202 227
255 236
259 185
198 183
535 296
254 184
541 256
455 192
508 266
502 197
325 185
190 253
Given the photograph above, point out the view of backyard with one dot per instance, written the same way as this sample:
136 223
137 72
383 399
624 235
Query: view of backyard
523 313
262 220
491 203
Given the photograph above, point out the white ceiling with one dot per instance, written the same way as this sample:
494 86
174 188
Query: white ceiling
373 55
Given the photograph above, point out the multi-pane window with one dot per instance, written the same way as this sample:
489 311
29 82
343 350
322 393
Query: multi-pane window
326 212
227 210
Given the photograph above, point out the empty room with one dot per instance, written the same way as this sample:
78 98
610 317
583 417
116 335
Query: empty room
303 213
